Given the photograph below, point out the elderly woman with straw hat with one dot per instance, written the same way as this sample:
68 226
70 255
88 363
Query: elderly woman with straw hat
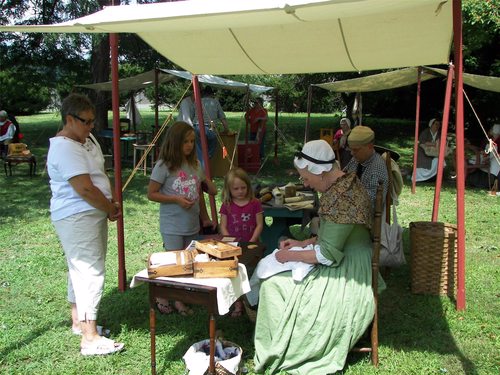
309 326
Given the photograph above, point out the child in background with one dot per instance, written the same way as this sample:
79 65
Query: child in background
241 214
176 184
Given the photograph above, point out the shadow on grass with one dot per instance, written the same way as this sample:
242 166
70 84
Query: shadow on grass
174 333
416 323
32 336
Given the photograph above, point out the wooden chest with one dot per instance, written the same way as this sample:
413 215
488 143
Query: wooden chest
171 263
223 259
217 268
218 249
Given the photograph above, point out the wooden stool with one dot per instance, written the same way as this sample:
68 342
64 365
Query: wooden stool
142 149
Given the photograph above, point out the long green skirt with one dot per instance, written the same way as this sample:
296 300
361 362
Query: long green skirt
308 327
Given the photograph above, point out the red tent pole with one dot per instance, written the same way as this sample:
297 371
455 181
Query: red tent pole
417 131
115 100
204 146
442 143
308 119
459 105
276 160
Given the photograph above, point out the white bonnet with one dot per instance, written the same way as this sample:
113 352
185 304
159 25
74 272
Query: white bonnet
317 156
3 114
432 121
346 120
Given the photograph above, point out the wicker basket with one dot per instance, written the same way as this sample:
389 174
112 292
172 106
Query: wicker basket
433 258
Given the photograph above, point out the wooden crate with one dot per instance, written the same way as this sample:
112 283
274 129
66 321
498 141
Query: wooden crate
218 249
217 268
183 264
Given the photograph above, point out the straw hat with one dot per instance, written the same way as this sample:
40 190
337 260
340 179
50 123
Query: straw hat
360 136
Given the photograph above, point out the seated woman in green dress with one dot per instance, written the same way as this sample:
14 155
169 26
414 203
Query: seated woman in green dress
308 327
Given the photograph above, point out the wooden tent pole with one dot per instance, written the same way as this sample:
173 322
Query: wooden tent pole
203 136
157 100
442 143
417 131
157 104
276 160
460 152
115 100
308 119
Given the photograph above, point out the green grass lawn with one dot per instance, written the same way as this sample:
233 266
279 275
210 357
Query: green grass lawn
419 334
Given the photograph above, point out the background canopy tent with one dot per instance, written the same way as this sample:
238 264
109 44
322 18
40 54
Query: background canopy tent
143 80
405 77
272 36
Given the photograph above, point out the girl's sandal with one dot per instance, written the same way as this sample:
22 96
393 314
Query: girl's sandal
238 310
163 308
183 309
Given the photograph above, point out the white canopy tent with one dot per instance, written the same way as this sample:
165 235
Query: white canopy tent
297 36
280 37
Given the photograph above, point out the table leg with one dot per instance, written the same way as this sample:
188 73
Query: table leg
211 367
152 331
135 156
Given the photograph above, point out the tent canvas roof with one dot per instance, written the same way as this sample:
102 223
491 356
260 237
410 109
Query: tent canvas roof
405 77
277 37
143 80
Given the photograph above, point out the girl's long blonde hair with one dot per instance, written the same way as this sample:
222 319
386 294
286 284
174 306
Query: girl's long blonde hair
171 148
228 181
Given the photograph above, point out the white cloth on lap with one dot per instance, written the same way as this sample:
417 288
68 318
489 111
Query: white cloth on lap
269 266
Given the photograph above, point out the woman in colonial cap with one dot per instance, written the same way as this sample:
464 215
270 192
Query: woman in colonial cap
340 141
309 326
427 165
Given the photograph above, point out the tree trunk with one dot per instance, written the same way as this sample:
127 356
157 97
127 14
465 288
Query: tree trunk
101 71
100 65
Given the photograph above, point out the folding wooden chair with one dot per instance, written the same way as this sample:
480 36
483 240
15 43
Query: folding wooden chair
373 328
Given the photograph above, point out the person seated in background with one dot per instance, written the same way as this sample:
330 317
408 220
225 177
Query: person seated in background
340 142
427 162
366 162
493 150
7 132
476 164
256 118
